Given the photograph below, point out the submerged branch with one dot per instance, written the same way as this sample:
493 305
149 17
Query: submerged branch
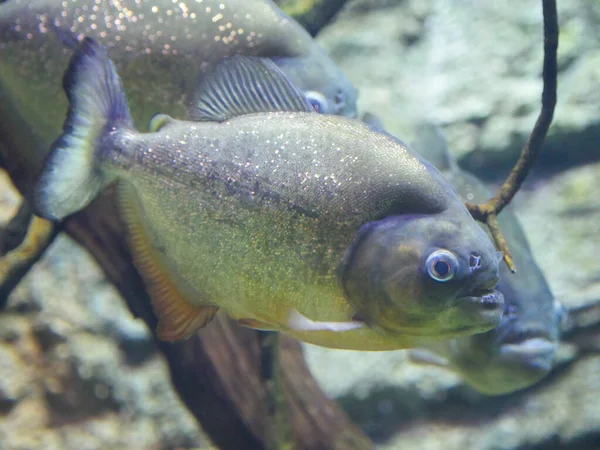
488 211
23 242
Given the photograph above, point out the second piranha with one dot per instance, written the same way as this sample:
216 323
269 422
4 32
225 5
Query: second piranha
286 219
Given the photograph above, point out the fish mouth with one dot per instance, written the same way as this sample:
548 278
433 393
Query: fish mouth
535 351
488 304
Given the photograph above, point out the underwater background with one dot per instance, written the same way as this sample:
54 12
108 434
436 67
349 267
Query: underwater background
78 372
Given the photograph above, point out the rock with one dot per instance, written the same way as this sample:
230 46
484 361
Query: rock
562 217
474 67
14 378
561 414
77 371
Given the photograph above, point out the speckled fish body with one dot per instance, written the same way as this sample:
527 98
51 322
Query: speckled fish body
160 48
278 215
521 350
268 213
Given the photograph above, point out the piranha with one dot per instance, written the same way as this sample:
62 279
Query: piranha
285 219
160 48
522 349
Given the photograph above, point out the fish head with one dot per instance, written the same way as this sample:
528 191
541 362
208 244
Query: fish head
428 275
500 366
522 349
325 85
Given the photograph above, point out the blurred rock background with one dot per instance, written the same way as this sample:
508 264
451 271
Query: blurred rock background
78 372
475 68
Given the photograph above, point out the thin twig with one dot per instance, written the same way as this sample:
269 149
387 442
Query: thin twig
488 211
24 239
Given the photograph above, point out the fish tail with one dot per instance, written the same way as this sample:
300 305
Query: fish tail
72 175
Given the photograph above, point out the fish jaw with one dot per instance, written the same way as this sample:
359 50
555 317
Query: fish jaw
535 353
514 366
486 306
518 361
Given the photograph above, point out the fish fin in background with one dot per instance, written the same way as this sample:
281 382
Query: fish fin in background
72 176
431 144
427 357
67 37
373 121
177 318
299 322
243 85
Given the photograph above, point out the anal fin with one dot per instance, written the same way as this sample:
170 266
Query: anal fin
177 318
299 322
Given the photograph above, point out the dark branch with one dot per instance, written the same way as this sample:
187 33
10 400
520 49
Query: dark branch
488 211
23 242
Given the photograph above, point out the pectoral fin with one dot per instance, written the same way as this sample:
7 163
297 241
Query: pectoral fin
424 356
177 318
298 322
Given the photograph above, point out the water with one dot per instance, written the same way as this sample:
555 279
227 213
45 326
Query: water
90 375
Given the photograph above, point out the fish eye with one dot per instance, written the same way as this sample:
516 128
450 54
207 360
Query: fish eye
318 101
441 265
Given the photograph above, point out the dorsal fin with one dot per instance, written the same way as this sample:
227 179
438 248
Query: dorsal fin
431 144
242 85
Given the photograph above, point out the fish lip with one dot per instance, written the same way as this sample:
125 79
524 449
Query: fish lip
487 299
487 305
527 334
537 352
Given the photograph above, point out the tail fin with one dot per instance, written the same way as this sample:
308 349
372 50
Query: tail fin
72 176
